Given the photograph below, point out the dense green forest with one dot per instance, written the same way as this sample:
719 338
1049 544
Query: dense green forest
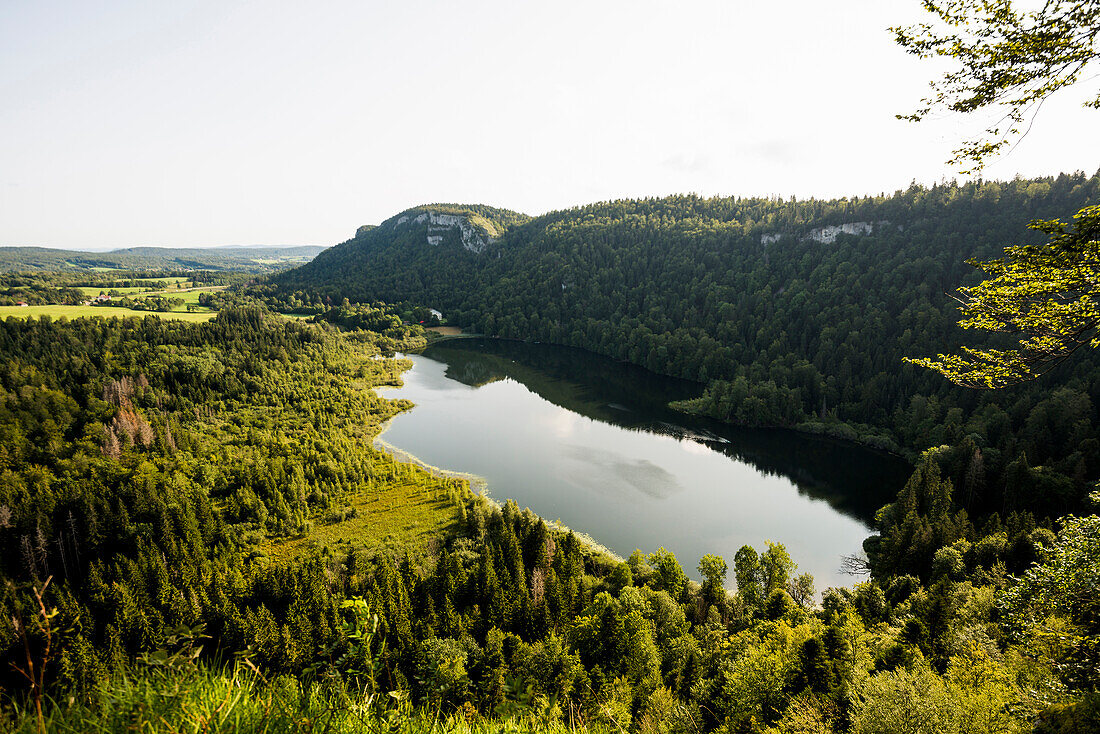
786 322
191 499
145 460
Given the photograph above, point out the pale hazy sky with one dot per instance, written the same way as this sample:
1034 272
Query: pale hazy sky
237 122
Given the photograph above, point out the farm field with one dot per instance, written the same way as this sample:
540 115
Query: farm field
76 312
187 296
94 290
184 288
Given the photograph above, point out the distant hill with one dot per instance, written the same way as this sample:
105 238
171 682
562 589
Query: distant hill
246 259
426 252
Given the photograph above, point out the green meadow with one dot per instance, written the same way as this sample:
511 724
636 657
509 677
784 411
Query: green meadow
91 291
76 312
401 516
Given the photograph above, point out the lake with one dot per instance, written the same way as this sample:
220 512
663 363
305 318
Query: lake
591 442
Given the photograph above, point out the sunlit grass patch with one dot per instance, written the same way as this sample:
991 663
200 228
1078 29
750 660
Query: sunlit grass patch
76 312
94 290
396 517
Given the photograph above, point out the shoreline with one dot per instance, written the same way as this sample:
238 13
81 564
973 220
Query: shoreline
479 485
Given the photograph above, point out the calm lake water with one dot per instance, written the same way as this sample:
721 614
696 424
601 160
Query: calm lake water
591 442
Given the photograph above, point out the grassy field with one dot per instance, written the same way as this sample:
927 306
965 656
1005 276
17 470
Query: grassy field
181 292
75 312
188 296
94 290
185 283
445 330
397 517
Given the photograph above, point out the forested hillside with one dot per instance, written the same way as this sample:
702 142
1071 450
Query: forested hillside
151 467
793 313
397 261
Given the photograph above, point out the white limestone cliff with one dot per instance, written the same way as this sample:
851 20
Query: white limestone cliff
474 238
827 235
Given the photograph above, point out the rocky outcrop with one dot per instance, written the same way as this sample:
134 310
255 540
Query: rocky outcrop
474 238
827 235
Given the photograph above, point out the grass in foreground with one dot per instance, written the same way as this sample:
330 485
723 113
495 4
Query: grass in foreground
76 312
196 700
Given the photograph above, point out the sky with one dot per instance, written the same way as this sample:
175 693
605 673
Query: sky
238 122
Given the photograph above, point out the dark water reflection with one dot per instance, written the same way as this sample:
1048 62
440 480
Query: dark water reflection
592 442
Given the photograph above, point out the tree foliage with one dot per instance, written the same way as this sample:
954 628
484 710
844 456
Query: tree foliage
1009 59
1056 606
1015 60
1048 294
